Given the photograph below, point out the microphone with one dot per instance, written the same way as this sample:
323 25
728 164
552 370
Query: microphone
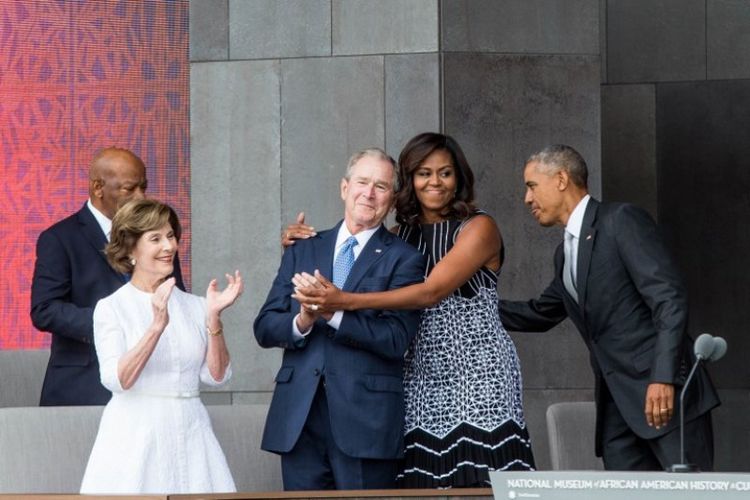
706 348
720 349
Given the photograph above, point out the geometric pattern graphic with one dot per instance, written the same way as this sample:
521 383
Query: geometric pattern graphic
76 76
462 368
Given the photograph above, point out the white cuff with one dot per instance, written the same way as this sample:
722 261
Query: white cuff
335 320
296 332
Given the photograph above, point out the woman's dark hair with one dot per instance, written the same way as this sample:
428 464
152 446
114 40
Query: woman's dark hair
131 221
416 151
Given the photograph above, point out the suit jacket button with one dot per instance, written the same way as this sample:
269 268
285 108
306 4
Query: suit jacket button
316 372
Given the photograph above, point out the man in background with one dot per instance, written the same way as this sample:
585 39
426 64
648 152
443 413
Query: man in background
71 274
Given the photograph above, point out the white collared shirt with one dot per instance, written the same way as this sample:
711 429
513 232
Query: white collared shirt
104 222
575 221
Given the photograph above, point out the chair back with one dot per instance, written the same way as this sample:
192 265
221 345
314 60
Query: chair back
46 449
21 376
570 428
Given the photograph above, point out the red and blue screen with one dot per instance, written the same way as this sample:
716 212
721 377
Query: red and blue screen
76 76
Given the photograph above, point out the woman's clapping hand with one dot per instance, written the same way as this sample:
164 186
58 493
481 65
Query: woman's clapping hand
218 300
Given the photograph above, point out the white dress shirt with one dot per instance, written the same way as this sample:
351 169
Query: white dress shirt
104 222
575 221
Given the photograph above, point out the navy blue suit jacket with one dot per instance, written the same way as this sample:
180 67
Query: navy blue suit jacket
362 361
71 274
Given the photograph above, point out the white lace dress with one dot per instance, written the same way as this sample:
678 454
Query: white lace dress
155 437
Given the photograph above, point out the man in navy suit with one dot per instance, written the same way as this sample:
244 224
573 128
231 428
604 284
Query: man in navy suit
72 273
616 281
337 413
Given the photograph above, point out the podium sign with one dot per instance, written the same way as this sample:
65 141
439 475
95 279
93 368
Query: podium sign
596 485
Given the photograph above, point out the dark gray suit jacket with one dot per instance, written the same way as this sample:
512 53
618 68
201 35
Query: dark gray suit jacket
632 313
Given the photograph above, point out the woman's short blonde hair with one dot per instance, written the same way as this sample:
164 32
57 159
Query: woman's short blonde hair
131 221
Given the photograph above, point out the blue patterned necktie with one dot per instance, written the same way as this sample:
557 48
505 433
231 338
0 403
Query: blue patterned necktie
344 262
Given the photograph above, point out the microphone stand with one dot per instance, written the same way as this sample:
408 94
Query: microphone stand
682 466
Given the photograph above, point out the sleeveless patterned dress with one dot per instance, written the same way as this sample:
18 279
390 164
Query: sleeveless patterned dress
462 381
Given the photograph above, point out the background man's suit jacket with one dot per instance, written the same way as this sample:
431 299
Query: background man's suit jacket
71 274
362 361
632 314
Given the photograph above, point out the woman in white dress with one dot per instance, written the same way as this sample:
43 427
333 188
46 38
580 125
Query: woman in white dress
155 344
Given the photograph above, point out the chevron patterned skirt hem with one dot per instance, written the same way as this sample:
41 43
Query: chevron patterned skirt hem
464 457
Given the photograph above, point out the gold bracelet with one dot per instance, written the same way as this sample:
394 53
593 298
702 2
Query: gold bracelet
216 333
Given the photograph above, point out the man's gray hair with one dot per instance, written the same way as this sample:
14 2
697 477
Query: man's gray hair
558 157
378 154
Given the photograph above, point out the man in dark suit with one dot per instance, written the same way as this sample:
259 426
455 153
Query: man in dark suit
337 413
72 273
616 281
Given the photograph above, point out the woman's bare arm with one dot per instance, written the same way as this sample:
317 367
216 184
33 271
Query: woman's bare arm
477 245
